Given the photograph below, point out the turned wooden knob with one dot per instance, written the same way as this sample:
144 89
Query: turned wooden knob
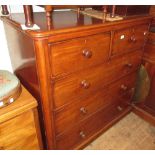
133 39
85 84
87 53
129 65
119 108
145 33
123 87
82 135
83 110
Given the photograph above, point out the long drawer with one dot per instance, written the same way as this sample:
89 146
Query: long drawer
76 54
82 108
87 128
85 82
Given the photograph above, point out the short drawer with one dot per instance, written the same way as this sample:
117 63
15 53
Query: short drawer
76 54
87 128
85 82
129 39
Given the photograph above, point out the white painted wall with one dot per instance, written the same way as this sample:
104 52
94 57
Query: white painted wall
5 63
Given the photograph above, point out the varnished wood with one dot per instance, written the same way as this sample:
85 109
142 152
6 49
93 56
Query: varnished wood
5 10
69 87
44 82
16 133
146 109
72 137
129 39
66 54
64 76
28 15
68 115
113 11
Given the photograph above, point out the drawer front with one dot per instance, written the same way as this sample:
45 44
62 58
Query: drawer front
74 136
129 39
84 83
82 108
140 34
70 56
121 41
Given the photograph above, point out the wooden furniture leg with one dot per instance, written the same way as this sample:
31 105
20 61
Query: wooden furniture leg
5 10
113 11
28 15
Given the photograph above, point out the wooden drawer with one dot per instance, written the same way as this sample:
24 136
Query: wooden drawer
82 108
140 34
19 133
76 54
79 133
85 82
129 39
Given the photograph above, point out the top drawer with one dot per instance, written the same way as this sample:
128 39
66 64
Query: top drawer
129 39
76 54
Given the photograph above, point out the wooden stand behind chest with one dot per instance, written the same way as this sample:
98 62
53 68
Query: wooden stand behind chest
19 128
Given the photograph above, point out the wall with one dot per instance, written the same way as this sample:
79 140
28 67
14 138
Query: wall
5 63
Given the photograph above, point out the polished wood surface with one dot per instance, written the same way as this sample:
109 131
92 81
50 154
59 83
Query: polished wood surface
19 126
146 109
28 11
85 51
129 39
5 10
74 71
68 115
71 87
88 127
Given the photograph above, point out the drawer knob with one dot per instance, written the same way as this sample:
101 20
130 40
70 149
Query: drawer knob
129 65
133 39
83 110
123 87
87 53
119 108
85 84
82 135
145 33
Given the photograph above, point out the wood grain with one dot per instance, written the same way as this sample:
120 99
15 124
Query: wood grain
76 52
68 88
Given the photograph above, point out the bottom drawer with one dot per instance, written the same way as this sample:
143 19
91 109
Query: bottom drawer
81 132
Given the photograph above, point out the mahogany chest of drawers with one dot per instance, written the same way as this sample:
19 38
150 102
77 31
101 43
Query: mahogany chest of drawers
82 72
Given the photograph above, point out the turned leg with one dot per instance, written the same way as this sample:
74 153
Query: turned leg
104 12
113 11
48 10
5 10
28 15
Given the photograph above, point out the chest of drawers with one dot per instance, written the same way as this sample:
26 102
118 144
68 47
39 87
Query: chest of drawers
82 75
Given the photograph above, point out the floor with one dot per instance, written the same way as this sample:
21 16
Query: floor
131 133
